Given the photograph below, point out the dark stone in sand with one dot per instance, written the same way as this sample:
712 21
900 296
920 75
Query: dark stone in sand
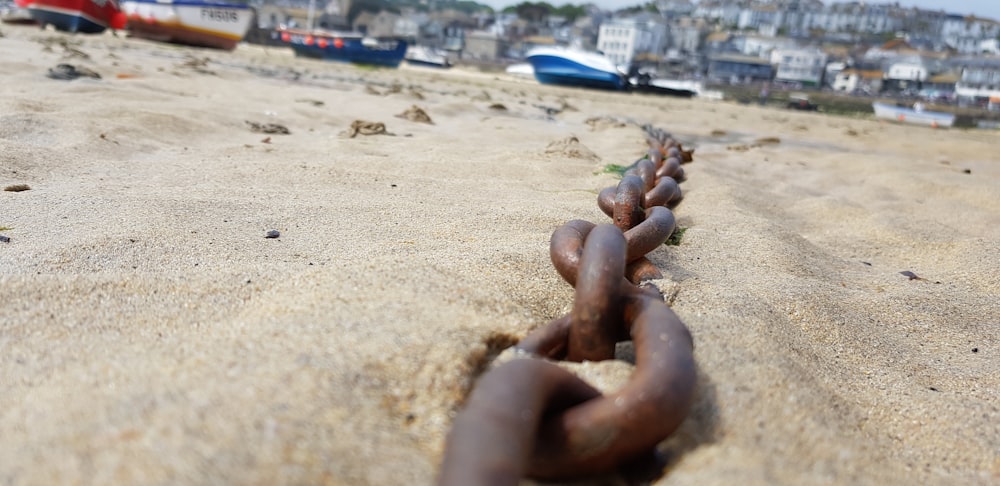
70 72
271 128
272 234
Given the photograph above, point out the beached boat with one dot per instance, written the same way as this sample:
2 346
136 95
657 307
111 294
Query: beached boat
16 13
352 47
575 67
521 69
203 23
85 16
426 56
670 87
911 115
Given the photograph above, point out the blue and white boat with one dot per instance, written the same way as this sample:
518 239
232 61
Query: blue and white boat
576 67
917 115
352 47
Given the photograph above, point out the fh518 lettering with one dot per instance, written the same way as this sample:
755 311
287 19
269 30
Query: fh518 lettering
219 15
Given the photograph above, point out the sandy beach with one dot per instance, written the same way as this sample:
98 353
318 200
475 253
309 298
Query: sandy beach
151 334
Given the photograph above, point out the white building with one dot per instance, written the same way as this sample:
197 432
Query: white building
622 39
850 17
800 17
831 71
965 34
761 46
408 25
980 79
502 25
989 46
688 34
725 13
763 15
850 80
804 66
911 69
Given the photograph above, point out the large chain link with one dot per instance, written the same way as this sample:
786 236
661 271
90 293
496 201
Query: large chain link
529 417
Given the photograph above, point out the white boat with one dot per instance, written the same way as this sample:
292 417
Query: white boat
426 56
575 67
673 87
917 116
16 13
522 69
204 23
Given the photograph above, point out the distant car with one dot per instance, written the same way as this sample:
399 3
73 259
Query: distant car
801 102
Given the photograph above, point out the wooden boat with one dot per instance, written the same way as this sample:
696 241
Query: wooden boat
575 67
203 23
85 16
915 116
352 47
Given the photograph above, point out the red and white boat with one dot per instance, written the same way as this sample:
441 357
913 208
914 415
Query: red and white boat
203 23
87 16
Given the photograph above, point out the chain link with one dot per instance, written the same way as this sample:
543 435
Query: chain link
531 418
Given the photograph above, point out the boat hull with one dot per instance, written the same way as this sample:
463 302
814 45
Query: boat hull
217 25
908 115
84 16
429 63
347 47
667 87
583 70
658 90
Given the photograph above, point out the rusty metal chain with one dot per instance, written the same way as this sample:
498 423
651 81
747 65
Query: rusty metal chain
531 418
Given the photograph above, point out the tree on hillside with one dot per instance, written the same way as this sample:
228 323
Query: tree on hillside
464 6
467 7
571 12
532 12
637 9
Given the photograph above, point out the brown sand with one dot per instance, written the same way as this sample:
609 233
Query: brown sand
150 334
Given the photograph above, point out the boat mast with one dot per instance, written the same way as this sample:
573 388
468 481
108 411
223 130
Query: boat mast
309 16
